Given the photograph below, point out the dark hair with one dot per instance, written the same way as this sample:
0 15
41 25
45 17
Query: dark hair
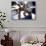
34 10
13 3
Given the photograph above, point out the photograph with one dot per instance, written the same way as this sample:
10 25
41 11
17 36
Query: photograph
23 10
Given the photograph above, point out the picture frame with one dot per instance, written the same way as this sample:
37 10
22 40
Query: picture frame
23 10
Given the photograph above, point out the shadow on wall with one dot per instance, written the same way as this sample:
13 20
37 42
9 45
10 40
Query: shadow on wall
15 37
16 43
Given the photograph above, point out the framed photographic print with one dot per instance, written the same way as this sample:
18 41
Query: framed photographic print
23 9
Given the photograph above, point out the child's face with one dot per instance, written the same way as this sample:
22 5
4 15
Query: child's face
21 6
26 14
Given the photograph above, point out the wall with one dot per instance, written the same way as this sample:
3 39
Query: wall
17 35
36 25
40 17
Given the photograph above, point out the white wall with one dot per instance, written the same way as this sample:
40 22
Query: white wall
40 17
25 26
